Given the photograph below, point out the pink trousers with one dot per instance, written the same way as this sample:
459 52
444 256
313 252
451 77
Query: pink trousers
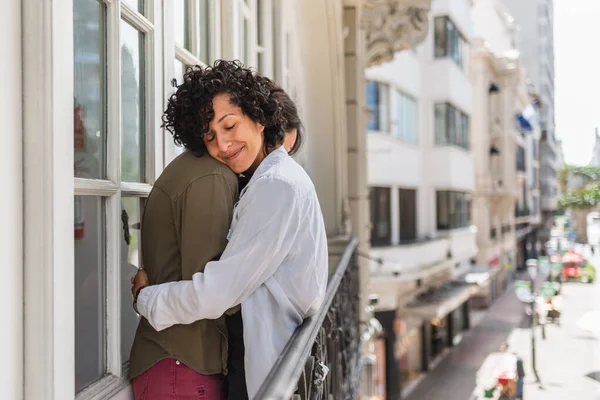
170 379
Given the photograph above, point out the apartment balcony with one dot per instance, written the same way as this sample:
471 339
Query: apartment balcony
416 261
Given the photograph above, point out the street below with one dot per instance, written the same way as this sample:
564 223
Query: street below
568 360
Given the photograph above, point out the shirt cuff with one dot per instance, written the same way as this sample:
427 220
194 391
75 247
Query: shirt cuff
143 301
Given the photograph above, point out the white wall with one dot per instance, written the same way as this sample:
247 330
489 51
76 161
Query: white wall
446 82
450 168
490 20
459 12
11 209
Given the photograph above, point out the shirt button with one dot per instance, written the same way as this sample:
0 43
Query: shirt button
177 362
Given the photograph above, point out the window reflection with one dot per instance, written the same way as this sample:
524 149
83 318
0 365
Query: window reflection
132 104
89 70
130 262
90 293
137 5
182 37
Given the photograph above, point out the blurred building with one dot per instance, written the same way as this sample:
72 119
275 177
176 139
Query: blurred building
420 175
536 44
85 83
507 201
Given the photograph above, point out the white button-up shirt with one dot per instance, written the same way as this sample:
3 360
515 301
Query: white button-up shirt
275 265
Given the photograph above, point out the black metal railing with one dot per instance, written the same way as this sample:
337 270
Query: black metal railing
322 358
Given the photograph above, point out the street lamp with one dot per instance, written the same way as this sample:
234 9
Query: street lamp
532 269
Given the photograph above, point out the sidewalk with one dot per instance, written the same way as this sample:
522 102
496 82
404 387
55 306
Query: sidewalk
454 377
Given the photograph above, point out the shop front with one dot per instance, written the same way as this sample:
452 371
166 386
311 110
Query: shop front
402 348
445 316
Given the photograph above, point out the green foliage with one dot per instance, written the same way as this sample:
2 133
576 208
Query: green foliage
585 198
589 271
580 199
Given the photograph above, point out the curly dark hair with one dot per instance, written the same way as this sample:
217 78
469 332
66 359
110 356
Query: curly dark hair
190 110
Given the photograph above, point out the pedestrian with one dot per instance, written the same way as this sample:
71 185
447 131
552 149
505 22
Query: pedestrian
520 377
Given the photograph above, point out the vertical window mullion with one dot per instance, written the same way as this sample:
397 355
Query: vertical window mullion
113 314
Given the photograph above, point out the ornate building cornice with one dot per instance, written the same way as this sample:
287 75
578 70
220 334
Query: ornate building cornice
393 25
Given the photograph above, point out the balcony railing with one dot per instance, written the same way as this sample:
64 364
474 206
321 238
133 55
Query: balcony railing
322 358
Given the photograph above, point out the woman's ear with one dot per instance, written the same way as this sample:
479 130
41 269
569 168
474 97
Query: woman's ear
260 127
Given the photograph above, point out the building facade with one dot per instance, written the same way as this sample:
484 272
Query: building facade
420 175
85 88
536 44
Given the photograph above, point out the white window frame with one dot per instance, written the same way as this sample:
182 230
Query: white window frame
174 51
49 242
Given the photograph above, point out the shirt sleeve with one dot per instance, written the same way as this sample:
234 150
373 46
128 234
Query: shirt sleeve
265 231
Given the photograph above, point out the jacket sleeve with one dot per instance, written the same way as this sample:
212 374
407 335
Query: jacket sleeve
268 223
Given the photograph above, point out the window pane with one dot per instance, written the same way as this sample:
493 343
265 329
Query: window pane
182 36
440 37
137 5
260 22
384 107
89 69
130 262
244 42
440 123
178 69
380 216
90 293
132 104
373 104
203 30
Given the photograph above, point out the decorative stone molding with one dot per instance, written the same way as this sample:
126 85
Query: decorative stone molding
393 25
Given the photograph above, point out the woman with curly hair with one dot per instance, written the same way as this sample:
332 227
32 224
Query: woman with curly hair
275 261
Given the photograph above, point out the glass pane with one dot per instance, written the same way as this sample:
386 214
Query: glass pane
203 30
89 69
182 31
132 104
244 42
130 262
90 293
260 22
440 124
179 67
137 5
373 105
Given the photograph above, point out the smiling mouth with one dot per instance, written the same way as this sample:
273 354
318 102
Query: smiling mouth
234 155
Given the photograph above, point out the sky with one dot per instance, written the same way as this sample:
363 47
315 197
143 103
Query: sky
577 76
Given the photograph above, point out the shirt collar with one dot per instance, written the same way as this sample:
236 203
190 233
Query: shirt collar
270 160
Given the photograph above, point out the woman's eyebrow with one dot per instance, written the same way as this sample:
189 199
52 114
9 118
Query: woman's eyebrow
223 117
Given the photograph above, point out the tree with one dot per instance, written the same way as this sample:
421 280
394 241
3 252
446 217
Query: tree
580 186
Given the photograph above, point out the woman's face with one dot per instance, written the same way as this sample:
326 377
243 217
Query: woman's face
233 138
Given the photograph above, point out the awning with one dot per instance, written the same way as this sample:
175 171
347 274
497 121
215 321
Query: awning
439 302
479 275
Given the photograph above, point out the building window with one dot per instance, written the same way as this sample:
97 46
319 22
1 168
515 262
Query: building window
114 165
408 214
451 126
121 83
381 227
520 158
405 118
450 43
453 209
378 100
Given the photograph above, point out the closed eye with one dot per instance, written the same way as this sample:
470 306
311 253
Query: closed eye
209 137
228 128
